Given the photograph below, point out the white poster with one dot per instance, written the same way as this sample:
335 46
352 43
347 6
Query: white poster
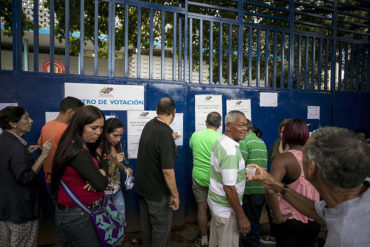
204 104
136 121
313 112
268 99
3 105
106 96
243 105
50 116
177 126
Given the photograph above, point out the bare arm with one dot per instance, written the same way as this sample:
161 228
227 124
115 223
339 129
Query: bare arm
46 148
232 197
169 177
302 204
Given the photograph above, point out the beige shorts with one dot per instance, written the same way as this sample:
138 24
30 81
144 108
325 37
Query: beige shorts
224 232
200 192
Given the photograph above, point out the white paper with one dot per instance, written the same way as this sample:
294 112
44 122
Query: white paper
136 121
3 105
177 126
313 112
204 104
107 96
50 116
268 99
243 105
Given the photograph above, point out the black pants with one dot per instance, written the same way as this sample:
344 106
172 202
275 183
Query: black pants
295 233
156 221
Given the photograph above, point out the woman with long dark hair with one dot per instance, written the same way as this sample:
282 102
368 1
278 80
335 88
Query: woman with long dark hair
19 179
291 227
76 164
111 150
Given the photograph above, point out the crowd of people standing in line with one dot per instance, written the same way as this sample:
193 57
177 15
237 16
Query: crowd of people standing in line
83 150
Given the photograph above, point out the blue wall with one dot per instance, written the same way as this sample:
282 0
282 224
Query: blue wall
39 93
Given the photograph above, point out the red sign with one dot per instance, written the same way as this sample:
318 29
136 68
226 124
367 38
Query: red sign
59 67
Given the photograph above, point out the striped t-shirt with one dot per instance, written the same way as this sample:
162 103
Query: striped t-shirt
254 152
227 168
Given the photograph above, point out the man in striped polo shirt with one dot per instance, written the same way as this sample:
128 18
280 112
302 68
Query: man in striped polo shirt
254 152
227 182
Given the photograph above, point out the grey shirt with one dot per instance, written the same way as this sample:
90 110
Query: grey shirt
347 223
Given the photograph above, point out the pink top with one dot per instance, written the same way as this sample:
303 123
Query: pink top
301 186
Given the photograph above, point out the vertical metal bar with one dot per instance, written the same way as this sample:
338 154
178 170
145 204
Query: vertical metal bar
340 67
210 52
220 51
334 44
299 62
250 57
358 68
180 50
313 63
326 65
0 44
151 44
201 51
174 45
266 58
258 57
363 66
96 30
190 49
163 32
282 59
111 35
17 35
351 69
230 61
291 45
274 61
36 37
345 66
240 44
51 37
126 41
82 37
368 69
185 38
305 62
139 42
319 66
25 54
66 36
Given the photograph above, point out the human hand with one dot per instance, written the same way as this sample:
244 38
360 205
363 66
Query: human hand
129 172
176 135
281 218
174 203
120 157
46 148
88 187
244 224
261 175
33 148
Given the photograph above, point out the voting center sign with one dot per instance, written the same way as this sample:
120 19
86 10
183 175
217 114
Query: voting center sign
106 96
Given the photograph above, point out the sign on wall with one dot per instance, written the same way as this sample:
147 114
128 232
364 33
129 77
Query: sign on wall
243 105
107 97
204 104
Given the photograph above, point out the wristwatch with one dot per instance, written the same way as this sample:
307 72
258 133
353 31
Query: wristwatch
284 190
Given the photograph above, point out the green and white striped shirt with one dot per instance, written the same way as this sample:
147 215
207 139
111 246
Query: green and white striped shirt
227 168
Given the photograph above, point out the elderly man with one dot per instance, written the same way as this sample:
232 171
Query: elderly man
201 142
336 162
227 184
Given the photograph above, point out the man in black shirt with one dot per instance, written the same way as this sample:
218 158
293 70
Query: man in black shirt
155 176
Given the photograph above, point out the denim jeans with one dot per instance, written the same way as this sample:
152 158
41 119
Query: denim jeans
78 226
118 201
252 206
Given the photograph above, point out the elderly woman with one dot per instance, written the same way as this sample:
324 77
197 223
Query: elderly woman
19 179
292 228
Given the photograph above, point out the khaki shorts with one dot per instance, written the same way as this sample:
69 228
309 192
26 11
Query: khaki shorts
200 192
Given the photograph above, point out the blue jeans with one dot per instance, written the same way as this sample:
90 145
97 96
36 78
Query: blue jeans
77 226
118 201
252 206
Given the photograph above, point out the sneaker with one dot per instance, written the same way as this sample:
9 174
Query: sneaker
198 243
267 239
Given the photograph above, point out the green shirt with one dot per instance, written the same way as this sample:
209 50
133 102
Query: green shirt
254 152
201 142
227 168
